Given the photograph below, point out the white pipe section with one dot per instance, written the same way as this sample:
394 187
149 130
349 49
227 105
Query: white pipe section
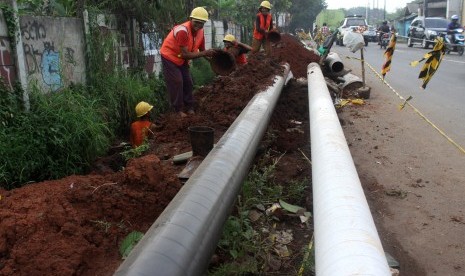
184 237
346 239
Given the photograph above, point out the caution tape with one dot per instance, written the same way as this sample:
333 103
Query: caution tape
406 102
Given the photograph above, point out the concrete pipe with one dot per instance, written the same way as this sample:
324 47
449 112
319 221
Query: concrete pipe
274 36
223 62
346 239
184 237
350 83
334 63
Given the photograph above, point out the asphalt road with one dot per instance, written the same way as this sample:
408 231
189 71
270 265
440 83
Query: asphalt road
443 100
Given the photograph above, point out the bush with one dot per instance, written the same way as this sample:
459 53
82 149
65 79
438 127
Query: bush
201 72
61 135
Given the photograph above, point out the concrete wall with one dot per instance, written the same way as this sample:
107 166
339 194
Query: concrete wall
7 67
53 50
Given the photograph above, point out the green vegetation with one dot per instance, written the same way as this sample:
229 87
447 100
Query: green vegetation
129 242
130 152
201 72
247 242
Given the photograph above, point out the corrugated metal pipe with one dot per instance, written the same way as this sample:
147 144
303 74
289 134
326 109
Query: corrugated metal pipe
346 239
184 237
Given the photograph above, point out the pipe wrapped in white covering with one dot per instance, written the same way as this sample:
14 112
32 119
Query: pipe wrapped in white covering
346 240
185 235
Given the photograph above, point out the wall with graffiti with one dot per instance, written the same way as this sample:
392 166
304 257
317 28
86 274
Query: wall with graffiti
7 67
54 47
53 50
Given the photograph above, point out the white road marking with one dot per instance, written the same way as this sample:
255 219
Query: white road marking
457 61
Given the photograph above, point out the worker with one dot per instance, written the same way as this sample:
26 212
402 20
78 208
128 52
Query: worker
230 42
262 26
142 128
184 43
325 31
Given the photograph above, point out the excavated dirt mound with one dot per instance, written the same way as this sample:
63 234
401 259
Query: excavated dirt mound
74 226
291 50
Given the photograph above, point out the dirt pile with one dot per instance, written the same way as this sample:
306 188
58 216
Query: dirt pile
73 226
292 51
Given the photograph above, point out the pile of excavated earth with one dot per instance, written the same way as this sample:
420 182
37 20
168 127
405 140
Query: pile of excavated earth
74 225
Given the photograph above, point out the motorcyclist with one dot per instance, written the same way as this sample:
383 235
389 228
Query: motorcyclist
382 30
454 24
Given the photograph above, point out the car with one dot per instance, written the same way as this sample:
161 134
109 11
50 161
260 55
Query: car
370 34
350 23
424 30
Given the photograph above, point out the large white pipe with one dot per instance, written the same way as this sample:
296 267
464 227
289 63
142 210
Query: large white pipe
346 239
185 235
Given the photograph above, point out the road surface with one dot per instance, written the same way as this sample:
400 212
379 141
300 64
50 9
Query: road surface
414 178
443 100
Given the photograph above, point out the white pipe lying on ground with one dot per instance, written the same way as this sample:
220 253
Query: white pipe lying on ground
184 237
346 239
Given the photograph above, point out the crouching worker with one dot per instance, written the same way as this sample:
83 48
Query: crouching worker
142 128
242 49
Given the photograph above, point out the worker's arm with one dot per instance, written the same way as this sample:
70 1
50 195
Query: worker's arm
245 46
185 54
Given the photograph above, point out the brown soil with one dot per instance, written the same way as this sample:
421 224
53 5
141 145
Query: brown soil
74 225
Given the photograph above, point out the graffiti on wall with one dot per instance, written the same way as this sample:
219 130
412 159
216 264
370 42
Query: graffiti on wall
7 68
42 58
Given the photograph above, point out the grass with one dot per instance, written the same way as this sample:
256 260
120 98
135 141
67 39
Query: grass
245 243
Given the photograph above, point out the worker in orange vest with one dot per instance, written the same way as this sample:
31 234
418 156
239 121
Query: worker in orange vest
184 43
262 25
242 49
142 128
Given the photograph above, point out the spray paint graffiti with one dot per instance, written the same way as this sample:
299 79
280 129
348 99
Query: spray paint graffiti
7 68
50 66
33 31
42 59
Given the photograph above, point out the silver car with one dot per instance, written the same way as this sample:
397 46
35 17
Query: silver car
424 30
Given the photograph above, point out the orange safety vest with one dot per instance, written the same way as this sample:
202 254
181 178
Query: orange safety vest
240 59
139 131
170 48
263 25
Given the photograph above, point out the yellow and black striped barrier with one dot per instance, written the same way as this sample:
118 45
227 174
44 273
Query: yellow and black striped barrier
406 102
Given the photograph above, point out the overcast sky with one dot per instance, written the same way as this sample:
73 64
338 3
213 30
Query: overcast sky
391 5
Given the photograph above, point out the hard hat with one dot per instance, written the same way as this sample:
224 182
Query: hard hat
199 13
229 38
143 108
265 4
454 17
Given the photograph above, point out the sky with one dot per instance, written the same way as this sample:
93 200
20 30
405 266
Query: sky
391 5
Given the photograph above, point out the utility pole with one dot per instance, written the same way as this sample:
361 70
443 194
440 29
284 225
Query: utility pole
366 10
425 8
384 17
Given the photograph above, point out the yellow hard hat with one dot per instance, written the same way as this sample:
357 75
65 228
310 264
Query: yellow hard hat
229 38
199 13
265 4
143 108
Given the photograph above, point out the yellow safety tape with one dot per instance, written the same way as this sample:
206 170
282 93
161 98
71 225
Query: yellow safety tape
405 102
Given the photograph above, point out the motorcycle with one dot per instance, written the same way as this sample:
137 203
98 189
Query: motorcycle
455 41
384 41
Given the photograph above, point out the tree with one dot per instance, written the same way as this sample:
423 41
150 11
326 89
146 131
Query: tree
304 12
